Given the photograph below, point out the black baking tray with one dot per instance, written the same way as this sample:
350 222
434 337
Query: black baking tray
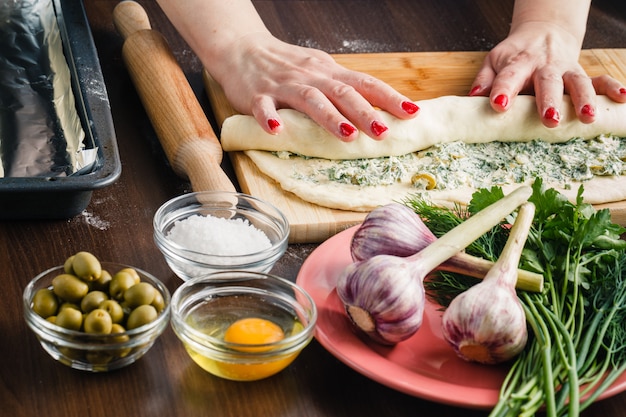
65 197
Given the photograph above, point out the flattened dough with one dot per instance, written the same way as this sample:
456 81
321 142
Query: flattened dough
443 119
365 198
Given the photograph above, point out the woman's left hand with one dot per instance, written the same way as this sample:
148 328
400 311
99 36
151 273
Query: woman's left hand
542 58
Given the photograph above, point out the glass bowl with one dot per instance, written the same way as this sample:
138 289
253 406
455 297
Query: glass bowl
204 232
89 351
206 309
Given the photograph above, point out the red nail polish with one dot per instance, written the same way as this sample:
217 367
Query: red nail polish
378 128
622 91
273 124
474 90
588 110
552 114
346 129
501 100
410 107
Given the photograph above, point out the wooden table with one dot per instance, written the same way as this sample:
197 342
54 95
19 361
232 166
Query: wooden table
117 225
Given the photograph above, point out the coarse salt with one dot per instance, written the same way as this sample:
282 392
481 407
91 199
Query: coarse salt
218 236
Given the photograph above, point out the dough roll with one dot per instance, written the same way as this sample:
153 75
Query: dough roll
443 119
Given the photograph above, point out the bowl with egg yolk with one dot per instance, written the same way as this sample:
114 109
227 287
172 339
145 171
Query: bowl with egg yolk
243 325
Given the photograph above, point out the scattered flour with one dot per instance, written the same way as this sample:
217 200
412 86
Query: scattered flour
95 221
350 46
218 236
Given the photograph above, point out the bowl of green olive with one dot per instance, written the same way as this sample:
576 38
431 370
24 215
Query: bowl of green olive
96 316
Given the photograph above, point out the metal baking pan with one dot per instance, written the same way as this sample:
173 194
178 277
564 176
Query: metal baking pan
63 197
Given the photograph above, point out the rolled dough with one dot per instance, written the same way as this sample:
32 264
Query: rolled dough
442 119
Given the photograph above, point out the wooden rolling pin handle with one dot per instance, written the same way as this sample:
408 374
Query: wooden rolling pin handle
192 155
169 101
129 17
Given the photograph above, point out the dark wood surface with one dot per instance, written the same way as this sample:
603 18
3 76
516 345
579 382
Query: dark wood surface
117 226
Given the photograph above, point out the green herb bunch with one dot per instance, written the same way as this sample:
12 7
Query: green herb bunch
577 347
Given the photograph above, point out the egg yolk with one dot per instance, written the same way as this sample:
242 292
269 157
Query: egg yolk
253 331
249 331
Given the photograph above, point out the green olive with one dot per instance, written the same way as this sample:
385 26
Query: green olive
118 328
114 309
99 359
70 354
120 282
69 287
122 338
102 283
86 266
68 305
139 294
158 302
67 266
70 318
45 303
143 314
133 272
92 300
126 308
98 321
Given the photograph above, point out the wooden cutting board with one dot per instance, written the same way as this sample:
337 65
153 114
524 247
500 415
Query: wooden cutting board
418 75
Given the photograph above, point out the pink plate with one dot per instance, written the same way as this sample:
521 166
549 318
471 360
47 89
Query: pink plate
423 365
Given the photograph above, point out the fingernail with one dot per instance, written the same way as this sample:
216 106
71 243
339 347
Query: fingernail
346 129
501 100
378 128
588 110
622 91
410 107
552 114
273 124
474 90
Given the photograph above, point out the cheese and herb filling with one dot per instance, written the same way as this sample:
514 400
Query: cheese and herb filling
453 165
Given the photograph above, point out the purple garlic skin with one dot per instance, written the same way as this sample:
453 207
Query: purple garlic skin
384 295
486 324
383 298
392 229
395 229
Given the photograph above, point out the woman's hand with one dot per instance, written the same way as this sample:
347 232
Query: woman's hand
260 73
541 58
263 74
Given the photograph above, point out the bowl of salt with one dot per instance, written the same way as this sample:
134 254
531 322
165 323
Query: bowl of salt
209 231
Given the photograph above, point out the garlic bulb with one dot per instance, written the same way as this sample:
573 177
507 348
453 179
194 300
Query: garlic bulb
392 229
395 229
384 295
392 280
487 323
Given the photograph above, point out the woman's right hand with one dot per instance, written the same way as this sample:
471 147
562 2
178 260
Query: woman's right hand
263 74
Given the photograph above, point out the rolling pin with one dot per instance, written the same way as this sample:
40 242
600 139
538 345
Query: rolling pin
189 142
